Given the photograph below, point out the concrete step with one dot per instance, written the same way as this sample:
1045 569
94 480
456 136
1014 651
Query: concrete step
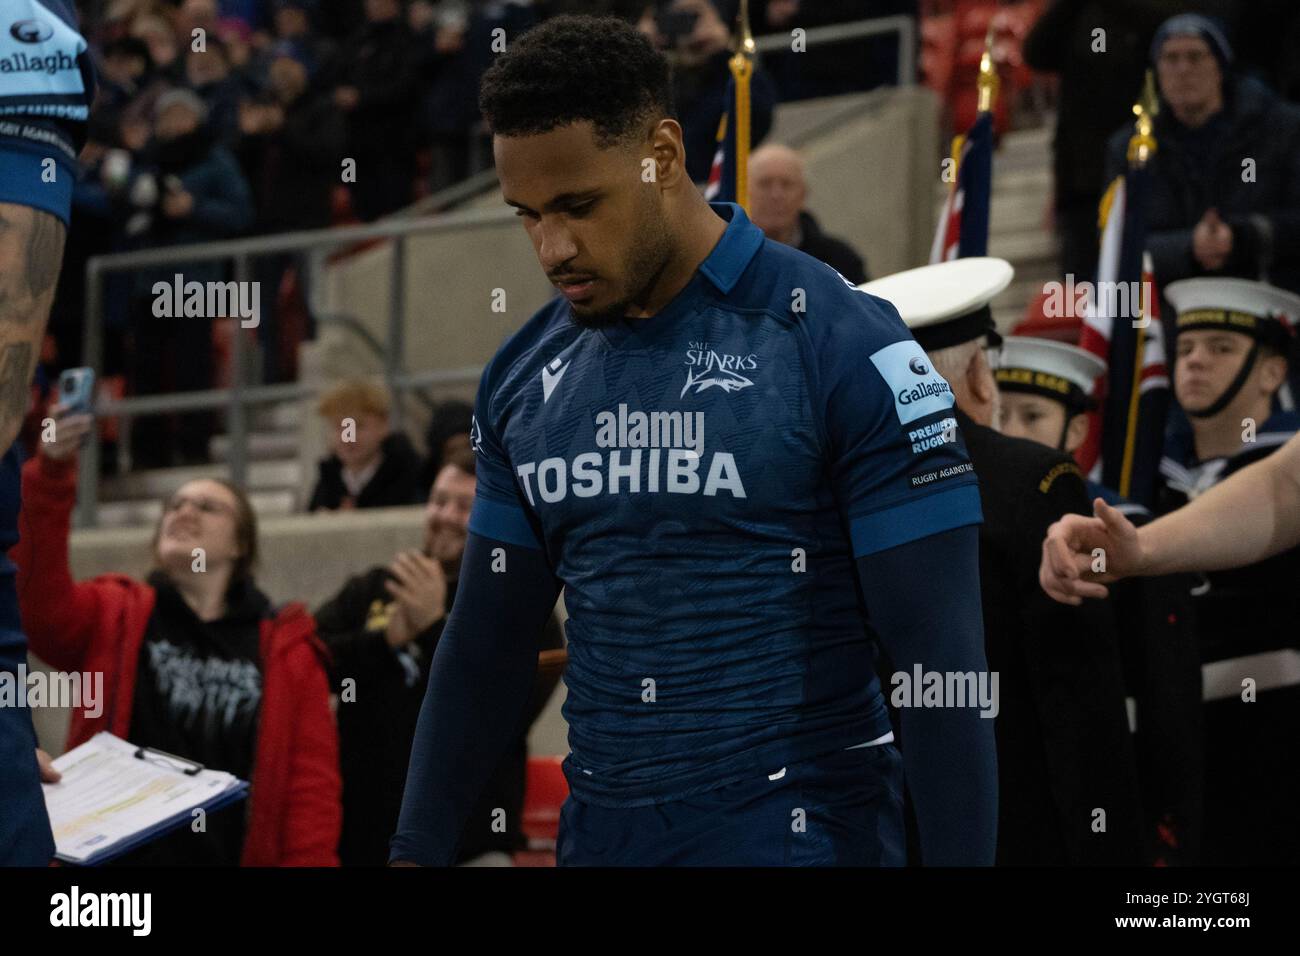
158 483
1032 180
145 513
262 446
1025 249
280 416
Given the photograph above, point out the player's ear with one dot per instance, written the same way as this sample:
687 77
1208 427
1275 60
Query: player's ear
1076 432
669 153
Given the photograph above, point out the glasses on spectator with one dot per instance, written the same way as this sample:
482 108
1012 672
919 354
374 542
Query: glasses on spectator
1191 57
207 506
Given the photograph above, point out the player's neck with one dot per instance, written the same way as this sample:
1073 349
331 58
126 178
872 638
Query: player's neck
699 230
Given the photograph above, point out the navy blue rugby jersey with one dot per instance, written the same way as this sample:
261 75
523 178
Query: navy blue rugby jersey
701 481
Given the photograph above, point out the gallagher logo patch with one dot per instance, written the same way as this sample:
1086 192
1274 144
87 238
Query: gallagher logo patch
918 389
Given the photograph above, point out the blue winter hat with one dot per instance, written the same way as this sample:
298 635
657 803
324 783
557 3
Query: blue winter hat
1194 25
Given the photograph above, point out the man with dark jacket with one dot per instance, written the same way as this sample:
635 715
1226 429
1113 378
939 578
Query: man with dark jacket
291 143
190 190
1067 782
1099 50
377 76
1225 190
777 192
370 465
383 628
696 34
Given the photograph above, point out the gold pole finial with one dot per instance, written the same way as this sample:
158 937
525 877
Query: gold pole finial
988 78
745 38
1142 145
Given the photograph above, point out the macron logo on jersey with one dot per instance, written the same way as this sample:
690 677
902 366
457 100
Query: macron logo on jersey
551 377
917 388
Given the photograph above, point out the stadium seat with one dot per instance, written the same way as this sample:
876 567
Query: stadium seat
544 793
545 790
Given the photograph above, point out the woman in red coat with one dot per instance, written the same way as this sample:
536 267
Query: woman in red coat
195 662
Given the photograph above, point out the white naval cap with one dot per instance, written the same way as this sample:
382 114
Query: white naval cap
946 303
1264 312
1064 372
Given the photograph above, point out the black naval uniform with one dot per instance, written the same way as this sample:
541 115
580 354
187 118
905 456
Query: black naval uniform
1252 758
1156 622
1064 748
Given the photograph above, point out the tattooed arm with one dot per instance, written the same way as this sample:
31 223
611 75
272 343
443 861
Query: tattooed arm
31 252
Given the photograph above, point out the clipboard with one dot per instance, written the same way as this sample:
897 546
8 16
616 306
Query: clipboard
116 796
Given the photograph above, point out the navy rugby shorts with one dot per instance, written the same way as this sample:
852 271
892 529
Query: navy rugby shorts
842 809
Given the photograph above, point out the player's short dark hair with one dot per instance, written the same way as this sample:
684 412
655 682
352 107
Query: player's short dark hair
571 69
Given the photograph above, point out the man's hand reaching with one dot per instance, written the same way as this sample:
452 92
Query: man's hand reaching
1080 553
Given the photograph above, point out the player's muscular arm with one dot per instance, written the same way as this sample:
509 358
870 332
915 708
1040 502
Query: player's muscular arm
31 251
949 755
480 685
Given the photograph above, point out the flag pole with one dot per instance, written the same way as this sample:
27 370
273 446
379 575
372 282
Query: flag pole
1141 147
742 70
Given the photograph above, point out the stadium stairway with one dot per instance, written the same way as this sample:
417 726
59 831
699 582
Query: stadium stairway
1019 223
275 473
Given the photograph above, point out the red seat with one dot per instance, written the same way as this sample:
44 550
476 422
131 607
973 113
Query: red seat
545 790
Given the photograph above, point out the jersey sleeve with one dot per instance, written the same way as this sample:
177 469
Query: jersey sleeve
500 511
898 464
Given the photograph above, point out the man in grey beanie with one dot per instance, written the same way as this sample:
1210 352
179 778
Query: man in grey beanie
1225 192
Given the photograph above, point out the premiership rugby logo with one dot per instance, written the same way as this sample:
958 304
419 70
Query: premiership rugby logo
705 368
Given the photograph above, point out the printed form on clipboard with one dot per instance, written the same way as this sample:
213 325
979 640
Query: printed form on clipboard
115 796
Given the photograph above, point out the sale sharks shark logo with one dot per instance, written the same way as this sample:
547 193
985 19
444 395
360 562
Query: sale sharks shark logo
706 368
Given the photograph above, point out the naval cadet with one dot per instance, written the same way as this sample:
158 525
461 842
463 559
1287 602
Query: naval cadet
1067 781
1046 393
1233 337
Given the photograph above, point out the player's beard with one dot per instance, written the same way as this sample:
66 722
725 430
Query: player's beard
643 264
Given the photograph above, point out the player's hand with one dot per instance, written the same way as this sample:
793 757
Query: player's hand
420 588
67 434
46 763
1075 545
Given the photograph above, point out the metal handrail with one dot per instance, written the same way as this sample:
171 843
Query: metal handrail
397 228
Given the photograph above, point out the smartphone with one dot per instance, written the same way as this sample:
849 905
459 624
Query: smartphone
77 390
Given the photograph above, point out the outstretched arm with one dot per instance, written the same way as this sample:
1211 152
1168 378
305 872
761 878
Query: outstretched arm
1249 517
480 686
949 755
